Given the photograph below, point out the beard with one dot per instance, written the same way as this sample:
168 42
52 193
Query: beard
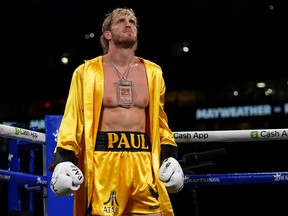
124 42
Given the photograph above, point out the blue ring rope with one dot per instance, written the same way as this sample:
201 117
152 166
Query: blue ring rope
190 180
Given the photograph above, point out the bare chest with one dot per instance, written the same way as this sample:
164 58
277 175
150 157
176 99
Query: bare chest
116 92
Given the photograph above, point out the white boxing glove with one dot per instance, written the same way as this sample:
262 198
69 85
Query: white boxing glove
66 179
172 175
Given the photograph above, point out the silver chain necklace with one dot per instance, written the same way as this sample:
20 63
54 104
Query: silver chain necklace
125 93
121 76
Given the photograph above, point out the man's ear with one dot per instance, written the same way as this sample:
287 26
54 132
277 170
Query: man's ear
107 35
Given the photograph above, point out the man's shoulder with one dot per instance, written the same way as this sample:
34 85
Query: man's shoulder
149 63
89 63
93 60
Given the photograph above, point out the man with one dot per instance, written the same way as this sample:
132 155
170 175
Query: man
115 130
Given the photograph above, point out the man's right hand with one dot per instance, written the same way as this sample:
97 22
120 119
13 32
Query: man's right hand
66 179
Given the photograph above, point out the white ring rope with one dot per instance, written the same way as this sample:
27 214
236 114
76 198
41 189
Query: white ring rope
231 135
22 134
180 137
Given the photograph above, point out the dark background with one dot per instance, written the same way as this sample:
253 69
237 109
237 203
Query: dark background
233 45
229 41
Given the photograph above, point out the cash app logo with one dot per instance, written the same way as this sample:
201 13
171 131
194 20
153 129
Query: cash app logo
17 131
254 134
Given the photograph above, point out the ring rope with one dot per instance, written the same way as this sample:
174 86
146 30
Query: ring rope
236 178
231 135
25 178
190 180
180 136
23 134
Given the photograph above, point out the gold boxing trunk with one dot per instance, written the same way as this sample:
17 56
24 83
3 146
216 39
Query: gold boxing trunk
126 184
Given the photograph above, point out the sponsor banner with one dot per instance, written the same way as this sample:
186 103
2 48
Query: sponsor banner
231 135
246 111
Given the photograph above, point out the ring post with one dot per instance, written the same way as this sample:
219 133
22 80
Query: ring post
16 191
56 206
14 199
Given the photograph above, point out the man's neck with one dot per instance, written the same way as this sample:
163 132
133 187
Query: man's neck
121 57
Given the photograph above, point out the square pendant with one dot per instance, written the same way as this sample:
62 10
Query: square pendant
125 93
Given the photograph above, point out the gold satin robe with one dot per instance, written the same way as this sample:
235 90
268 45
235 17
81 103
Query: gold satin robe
80 121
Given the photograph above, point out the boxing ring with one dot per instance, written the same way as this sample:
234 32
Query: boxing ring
29 140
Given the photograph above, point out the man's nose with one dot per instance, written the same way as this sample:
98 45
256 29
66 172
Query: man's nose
128 23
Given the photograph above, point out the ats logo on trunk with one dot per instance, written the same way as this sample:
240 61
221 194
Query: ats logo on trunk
111 205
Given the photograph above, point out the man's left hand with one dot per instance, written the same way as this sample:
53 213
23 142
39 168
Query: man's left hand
172 175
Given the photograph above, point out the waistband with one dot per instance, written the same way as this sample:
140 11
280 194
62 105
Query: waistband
122 141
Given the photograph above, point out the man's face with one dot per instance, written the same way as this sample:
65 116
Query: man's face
124 30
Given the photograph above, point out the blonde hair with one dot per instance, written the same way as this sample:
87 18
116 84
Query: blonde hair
108 21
